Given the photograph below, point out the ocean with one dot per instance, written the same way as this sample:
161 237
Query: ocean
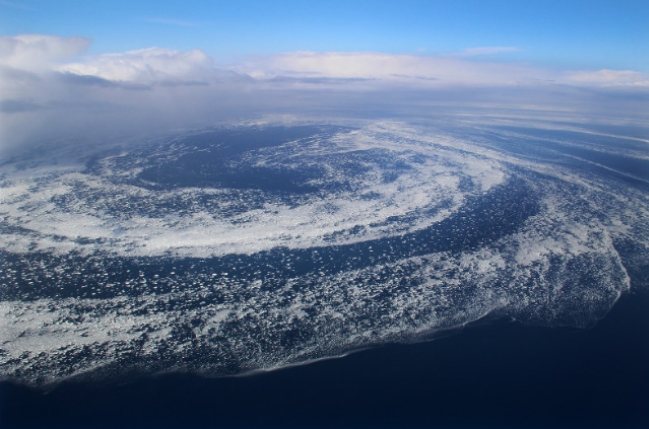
497 374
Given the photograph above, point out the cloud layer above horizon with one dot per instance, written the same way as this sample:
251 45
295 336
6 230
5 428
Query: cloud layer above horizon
49 88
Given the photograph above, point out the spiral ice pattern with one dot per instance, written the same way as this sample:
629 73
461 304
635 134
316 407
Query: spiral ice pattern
249 248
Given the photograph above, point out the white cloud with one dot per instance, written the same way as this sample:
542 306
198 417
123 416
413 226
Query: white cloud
608 78
42 53
48 89
419 70
428 71
145 65
36 52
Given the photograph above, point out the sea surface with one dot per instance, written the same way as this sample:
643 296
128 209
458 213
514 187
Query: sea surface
498 374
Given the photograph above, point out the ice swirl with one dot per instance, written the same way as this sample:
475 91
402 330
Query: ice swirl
252 248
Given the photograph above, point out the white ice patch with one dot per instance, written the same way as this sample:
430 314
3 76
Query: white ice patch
561 266
71 205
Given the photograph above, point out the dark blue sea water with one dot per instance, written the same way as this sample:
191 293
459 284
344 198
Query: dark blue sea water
497 375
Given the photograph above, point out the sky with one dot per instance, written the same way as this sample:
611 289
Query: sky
584 34
62 60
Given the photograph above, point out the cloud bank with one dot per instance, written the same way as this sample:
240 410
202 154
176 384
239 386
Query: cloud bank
146 66
433 71
36 52
50 90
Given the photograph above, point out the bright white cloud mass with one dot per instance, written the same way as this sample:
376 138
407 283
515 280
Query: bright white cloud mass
49 86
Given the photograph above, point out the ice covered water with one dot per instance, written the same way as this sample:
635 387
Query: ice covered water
251 248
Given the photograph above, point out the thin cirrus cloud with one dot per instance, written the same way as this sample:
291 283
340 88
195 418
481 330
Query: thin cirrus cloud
48 85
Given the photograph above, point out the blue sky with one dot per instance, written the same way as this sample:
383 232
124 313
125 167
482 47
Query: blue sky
584 35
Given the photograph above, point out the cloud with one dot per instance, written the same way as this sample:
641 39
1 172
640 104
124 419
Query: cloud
389 68
311 80
49 90
428 71
24 54
607 78
145 65
35 52
14 106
